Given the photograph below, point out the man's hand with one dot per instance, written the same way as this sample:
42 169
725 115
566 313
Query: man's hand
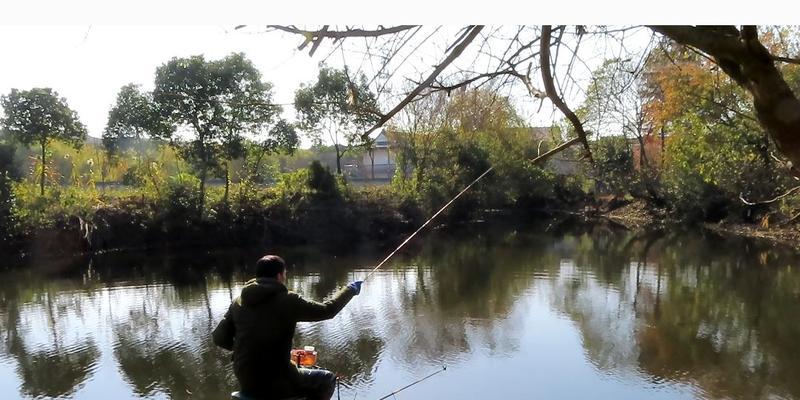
356 286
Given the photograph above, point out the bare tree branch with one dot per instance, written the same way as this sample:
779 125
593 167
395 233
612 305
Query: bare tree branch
457 50
407 56
788 60
550 89
526 79
488 75
394 52
345 33
315 37
318 41
753 203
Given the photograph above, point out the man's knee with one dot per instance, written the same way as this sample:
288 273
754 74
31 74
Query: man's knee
319 383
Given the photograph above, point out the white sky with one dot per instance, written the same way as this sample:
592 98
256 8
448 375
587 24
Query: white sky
87 63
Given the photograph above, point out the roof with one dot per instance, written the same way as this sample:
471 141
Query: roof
379 137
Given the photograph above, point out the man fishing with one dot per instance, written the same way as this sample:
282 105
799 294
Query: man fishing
259 326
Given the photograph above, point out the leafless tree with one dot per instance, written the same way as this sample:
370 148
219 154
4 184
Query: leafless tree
545 60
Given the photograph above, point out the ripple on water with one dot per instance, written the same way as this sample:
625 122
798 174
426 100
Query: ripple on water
56 371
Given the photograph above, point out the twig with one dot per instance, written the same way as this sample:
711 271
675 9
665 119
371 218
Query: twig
488 75
457 50
753 203
313 36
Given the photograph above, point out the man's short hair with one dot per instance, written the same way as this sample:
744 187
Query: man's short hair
269 266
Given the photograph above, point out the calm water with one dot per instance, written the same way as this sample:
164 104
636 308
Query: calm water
512 313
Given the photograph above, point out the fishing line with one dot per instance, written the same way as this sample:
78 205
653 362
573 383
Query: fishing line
444 368
535 160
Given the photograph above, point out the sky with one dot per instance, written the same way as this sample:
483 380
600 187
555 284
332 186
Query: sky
88 64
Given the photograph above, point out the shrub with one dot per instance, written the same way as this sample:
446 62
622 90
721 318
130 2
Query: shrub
182 202
707 169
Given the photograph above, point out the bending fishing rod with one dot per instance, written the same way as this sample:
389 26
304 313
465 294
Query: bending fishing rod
413 383
535 160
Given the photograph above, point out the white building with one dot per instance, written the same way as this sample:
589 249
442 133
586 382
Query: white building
378 161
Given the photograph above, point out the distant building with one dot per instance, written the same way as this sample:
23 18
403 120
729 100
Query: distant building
378 162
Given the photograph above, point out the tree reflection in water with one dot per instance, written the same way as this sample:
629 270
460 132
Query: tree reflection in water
713 313
53 364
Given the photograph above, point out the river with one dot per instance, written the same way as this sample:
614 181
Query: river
536 312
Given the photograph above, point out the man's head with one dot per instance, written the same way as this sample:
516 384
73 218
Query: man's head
271 266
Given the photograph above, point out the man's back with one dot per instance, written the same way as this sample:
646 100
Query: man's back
259 327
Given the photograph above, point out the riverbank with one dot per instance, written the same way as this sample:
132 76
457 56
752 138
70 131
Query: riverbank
638 216
130 223
337 223
786 235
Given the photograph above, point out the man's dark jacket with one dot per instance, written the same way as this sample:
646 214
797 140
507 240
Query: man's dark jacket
259 327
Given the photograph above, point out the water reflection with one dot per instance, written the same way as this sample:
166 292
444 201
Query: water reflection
675 315
700 310
50 361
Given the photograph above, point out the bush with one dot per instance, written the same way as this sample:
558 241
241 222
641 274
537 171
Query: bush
707 169
182 202
133 176
8 173
321 181
613 165
6 206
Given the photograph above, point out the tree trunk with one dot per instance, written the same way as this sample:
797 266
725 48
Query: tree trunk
338 160
643 163
372 161
663 148
44 168
227 183
202 190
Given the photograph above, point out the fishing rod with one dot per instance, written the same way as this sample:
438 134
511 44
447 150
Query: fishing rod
535 160
444 368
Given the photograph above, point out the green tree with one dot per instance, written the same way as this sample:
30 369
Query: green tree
443 143
133 120
427 131
413 134
38 116
337 107
215 103
715 148
282 138
278 138
616 104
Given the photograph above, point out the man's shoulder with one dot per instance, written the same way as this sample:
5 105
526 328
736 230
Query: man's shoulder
293 296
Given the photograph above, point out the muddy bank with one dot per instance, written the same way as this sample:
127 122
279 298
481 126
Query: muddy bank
638 216
787 235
